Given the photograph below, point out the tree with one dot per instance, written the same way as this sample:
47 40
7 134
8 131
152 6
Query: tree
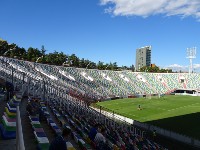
93 65
73 60
82 63
114 66
17 52
162 70
154 69
3 47
55 58
43 51
124 68
132 67
100 65
33 54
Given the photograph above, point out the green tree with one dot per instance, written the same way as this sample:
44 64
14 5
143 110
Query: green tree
17 52
73 60
82 63
114 66
100 65
55 58
3 47
33 54
43 51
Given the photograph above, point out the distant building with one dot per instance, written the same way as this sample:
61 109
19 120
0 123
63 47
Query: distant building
153 65
143 57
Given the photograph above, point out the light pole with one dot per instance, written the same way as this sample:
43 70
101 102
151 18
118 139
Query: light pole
64 64
88 65
11 66
7 52
107 67
70 62
191 54
37 60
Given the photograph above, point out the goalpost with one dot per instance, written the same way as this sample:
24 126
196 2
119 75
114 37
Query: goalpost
148 96
157 96
160 95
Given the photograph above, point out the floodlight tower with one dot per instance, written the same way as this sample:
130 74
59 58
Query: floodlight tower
191 54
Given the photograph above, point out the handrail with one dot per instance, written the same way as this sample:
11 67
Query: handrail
19 133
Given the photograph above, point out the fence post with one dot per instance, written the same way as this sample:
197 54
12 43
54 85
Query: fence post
100 109
12 75
44 90
23 77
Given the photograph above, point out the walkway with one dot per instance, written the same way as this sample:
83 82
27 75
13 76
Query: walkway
29 138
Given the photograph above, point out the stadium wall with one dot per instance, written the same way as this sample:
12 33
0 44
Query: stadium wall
189 92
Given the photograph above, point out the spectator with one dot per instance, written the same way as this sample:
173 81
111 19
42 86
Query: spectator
59 142
139 107
100 140
154 135
93 132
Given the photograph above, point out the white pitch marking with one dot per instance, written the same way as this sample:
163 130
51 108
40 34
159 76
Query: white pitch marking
182 107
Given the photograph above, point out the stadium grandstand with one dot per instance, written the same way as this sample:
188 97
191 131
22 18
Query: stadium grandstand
63 98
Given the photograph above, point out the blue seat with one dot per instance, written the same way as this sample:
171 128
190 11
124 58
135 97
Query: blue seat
7 134
34 119
40 134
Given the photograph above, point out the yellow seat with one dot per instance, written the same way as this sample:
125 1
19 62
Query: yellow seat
115 147
69 146
88 140
10 113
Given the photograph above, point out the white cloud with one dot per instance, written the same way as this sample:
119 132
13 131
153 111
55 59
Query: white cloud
196 66
177 67
147 8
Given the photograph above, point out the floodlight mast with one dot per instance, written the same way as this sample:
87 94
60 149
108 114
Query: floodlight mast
191 54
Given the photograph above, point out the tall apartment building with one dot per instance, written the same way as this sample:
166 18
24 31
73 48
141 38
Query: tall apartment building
143 57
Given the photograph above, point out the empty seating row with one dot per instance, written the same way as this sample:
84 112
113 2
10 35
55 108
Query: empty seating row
69 124
53 125
40 136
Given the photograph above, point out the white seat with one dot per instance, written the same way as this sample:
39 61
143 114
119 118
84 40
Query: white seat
41 139
13 124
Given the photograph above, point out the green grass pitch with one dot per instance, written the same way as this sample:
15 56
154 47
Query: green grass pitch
180 114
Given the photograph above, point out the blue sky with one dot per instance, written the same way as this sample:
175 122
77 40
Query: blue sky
106 30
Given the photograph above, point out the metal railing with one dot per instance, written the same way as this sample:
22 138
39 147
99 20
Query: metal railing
19 133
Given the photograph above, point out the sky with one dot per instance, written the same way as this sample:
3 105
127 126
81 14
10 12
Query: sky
106 30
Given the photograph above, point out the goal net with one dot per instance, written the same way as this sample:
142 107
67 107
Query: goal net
148 96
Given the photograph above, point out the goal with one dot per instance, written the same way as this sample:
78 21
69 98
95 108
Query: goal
148 96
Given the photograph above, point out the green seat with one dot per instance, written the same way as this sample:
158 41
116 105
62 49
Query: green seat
43 146
36 125
8 128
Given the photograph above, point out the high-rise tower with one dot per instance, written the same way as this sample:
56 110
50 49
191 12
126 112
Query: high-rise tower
143 57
